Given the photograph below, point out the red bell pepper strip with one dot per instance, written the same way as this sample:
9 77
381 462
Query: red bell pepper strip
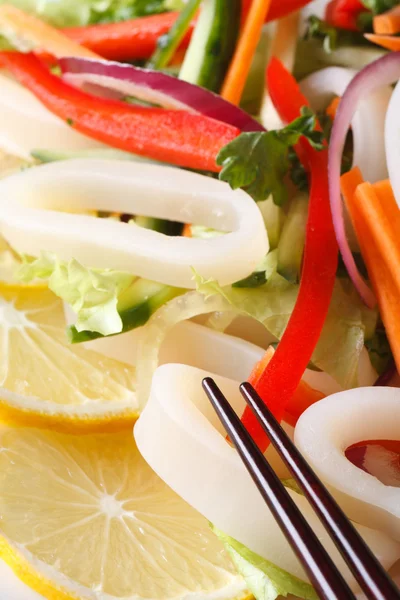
283 373
137 38
176 137
133 39
344 13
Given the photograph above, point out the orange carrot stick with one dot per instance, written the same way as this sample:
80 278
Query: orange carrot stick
359 198
303 397
391 42
381 229
235 80
332 108
41 35
187 230
388 23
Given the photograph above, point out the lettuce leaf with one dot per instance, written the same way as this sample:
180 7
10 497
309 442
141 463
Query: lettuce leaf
92 294
71 13
265 580
342 338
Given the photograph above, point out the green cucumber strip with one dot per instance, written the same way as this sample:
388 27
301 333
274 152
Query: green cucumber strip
171 228
213 44
135 307
168 44
46 155
291 243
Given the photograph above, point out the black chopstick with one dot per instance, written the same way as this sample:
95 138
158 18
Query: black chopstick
324 575
371 576
327 580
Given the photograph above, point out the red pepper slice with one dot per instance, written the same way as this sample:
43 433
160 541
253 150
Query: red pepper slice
177 137
344 13
283 373
137 38
133 39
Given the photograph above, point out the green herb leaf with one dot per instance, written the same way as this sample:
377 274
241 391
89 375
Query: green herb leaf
258 162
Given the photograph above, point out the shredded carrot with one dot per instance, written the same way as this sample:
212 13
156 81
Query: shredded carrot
303 397
332 108
187 230
384 191
376 220
391 42
42 36
234 83
260 367
388 23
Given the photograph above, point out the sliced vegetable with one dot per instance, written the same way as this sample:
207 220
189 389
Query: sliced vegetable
132 188
282 376
278 9
376 219
291 243
240 66
367 122
387 23
213 44
390 42
26 32
382 72
157 88
339 421
127 40
172 136
135 306
168 43
137 38
303 397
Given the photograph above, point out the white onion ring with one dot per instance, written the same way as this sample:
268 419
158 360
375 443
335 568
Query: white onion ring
367 123
392 138
24 122
181 438
327 428
30 222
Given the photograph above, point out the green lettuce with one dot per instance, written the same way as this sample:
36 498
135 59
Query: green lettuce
71 13
92 294
265 580
346 327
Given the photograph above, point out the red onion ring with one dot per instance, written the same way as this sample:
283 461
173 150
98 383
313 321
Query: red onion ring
155 87
384 71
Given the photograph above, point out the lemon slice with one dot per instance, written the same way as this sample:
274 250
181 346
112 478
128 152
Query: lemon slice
46 380
84 517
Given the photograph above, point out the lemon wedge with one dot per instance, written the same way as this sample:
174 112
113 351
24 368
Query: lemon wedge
44 380
85 518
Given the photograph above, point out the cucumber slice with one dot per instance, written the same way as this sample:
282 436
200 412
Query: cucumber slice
161 225
168 44
274 218
213 44
135 307
291 243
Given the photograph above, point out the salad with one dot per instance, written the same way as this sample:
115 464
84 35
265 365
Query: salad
193 188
